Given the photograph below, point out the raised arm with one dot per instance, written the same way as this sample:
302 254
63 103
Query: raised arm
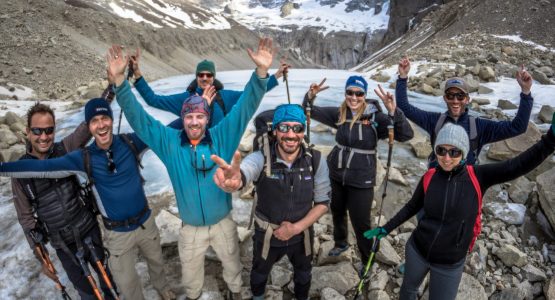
402 129
325 115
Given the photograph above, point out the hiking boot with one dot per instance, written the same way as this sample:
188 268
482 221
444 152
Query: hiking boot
336 251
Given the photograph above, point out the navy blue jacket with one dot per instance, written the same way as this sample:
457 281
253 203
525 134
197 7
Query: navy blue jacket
488 131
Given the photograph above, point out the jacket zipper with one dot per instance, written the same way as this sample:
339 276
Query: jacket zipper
198 185
442 218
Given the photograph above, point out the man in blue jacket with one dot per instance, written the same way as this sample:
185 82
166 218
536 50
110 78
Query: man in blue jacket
111 164
481 131
205 80
203 207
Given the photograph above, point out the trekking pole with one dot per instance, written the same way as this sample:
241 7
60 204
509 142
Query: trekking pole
308 109
92 249
45 258
287 86
81 257
130 72
376 241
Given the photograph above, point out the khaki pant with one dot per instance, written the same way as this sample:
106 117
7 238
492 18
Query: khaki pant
193 243
124 248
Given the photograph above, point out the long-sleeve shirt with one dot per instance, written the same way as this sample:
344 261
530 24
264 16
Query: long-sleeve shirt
488 131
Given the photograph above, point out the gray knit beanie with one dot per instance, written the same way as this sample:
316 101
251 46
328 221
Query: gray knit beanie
454 135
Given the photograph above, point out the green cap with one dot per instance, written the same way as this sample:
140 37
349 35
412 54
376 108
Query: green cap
206 65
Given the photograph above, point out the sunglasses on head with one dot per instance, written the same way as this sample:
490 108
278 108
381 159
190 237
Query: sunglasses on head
284 128
111 164
356 93
207 75
453 152
452 96
39 131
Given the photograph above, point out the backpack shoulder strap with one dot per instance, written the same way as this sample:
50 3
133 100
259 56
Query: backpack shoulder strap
87 163
220 102
439 124
129 141
478 223
316 156
427 178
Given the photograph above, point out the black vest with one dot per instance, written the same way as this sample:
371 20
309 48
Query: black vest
287 194
59 205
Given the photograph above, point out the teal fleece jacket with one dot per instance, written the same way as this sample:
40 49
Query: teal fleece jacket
199 200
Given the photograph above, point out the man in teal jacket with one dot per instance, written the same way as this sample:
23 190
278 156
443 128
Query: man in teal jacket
203 207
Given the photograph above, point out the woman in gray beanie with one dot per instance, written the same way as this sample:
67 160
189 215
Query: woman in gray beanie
451 197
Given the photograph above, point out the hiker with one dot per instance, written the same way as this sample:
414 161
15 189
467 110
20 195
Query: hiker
203 208
57 210
352 162
205 79
292 195
112 165
456 97
451 197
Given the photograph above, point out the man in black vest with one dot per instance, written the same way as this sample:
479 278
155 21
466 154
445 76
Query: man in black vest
57 208
292 194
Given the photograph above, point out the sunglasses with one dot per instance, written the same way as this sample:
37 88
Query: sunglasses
452 96
111 164
356 93
453 152
203 75
39 131
284 128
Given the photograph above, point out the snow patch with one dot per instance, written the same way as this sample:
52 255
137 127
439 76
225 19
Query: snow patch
518 39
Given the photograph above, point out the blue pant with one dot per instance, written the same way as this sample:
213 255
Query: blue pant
444 279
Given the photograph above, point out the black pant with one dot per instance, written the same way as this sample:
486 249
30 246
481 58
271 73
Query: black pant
76 274
359 204
302 267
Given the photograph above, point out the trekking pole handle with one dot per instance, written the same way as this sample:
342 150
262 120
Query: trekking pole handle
390 134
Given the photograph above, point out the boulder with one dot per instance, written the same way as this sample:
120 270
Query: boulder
533 274
330 294
378 295
548 71
510 148
7 136
510 213
426 89
520 189
511 256
541 77
12 117
325 259
508 50
509 294
169 226
12 154
469 288
546 192
18 127
506 104
280 276
396 176
473 84
487 73
549 289
341 277
546 113
484 90
379 280
481 101
387 254
380 77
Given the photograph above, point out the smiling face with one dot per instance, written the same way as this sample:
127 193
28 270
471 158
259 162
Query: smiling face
456 101
354 98
41 134
205 80
451 157
101 129
289 142
194 125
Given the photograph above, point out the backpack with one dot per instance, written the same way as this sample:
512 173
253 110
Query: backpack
87 189
478 223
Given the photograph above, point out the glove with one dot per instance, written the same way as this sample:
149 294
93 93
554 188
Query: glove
379 233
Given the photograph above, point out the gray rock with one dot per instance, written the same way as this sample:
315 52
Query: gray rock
520 190
404 237
469 288
546 113
380 77
330 294
325 259
533 274
280 276
378 295
546 192
286 9
506 104
481 101
511 213
541 77
319 229
341 277
487 73
169 226
511 256
426 89
7 136
484 90
509 294
12 117
18 127
28 71
473 84
12 154
510 148
407 227
387 254
319 128
548 71
379 280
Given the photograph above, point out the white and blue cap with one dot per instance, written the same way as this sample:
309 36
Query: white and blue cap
357 81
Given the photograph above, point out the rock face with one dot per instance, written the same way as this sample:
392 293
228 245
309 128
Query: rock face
546 191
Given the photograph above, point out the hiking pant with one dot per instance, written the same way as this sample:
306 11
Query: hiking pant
444 279
193 243
302 267
75 273
124 248
359 204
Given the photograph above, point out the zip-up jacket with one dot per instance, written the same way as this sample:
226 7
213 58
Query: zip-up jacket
488 131
353 167
119 195
199 200
450 204
173 103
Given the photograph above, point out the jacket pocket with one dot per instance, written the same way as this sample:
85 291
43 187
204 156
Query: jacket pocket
460 234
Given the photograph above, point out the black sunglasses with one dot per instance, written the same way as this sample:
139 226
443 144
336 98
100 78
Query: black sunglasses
111 164
453 152
356 93
459 96
39 131
207 75
284 128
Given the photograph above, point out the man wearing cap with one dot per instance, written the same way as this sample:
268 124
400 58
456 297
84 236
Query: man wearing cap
111 165
224 100
292 195
456 97
203 207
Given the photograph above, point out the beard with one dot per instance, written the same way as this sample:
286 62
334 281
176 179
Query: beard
282 144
